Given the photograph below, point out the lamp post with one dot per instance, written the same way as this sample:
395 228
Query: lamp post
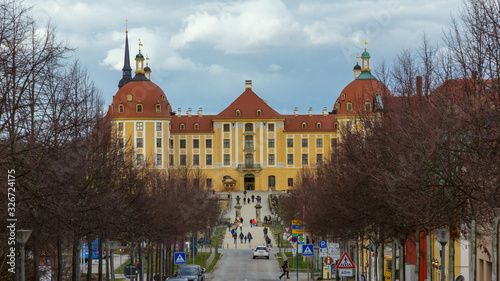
21 238
494 244
442 235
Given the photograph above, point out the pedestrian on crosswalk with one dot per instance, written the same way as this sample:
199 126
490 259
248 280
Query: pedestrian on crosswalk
285 269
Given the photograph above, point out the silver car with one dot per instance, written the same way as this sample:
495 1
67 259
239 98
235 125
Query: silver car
261 251
177 279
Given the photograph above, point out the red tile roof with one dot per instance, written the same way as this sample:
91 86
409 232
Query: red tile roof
294 123
248 103
358 92
205 124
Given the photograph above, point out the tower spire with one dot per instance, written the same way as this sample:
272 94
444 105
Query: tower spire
127 70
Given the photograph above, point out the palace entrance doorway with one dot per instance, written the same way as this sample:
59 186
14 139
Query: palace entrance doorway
249 182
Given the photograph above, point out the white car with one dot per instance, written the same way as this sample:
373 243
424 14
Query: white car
261 251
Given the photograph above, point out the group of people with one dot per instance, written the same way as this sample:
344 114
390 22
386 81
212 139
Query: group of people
267 219
233 228
247 200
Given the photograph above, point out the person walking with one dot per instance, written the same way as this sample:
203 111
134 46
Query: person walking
284 267
245 193
246 239
241 237
265 232
250 237
254 222
253 197
241 220
248 200
235 238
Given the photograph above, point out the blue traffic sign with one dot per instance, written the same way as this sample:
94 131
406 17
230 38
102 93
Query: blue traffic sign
308 250
180 258
323 243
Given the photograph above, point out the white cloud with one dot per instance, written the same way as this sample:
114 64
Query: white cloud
274 67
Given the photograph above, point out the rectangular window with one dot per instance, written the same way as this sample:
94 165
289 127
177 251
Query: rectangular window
290 182
290 159
158 142
183 143
139 126
158 159
319 142
304 142
349 125
209 182
271 181
171 160
208 143
271 127
140 159
226 127
289 142
183 160
226 143
304 159
226 159
139 142
196 143
120 143
334 142
209 159
171 143
271 159
196 160
271 143
319 159
120 126
158 126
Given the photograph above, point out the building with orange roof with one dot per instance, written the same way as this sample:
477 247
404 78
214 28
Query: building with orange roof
248 142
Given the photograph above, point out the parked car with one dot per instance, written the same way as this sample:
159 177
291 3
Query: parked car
177 279
192 272
261 251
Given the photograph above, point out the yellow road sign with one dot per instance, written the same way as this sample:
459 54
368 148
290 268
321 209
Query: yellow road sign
296 222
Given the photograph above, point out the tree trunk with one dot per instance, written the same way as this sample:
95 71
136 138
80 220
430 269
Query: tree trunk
417 254
473 250
451 258
141 261
36 254
59 259
494 244
393 262
402 276
428 252
108 264
89 262
380 262
101 252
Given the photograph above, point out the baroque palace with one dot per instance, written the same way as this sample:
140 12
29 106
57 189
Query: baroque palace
246 146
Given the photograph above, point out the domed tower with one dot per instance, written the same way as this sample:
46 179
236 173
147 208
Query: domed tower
147 69
357 68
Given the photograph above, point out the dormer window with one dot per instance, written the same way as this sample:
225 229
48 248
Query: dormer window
238 112
158 108
337 105
129 97
342 96
183 126
196 126
368 106
349 106
259 112
318 125
163 98
139 108
121 108
304 125
336 125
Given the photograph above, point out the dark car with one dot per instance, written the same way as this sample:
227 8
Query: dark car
177 279
192 272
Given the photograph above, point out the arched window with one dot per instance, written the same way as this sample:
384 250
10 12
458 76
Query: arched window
336 125
139 108
337 105
158 108
259 112
249 159
248 141
163 98
304 125
196 126
248 127
318 125
121 108
129 97
238 112
183 126
271 181
343 96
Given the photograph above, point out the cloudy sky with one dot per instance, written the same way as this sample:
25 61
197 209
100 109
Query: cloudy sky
298 53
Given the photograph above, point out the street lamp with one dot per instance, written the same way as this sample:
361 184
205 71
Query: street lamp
442 235
21 238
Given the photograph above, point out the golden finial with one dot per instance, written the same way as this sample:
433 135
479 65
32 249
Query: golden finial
126 25
366 43
140 45
147 59
357 58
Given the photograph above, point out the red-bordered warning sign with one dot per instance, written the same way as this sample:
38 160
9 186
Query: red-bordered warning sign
345 262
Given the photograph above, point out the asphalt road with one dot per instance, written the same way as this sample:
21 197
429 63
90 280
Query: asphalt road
237 264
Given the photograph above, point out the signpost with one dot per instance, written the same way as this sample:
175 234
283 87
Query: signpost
130 271
180 258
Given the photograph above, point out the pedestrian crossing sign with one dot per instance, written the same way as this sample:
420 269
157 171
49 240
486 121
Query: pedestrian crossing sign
307 250
345 262
180 258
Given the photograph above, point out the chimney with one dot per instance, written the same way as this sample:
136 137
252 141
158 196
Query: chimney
325 111
296 111
188 112
179 113
248 84
200 112
310 111
419 86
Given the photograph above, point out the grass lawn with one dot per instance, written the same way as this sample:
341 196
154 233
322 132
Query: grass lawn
218 236
292 262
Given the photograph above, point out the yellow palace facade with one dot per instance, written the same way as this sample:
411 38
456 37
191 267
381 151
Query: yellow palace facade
246 146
